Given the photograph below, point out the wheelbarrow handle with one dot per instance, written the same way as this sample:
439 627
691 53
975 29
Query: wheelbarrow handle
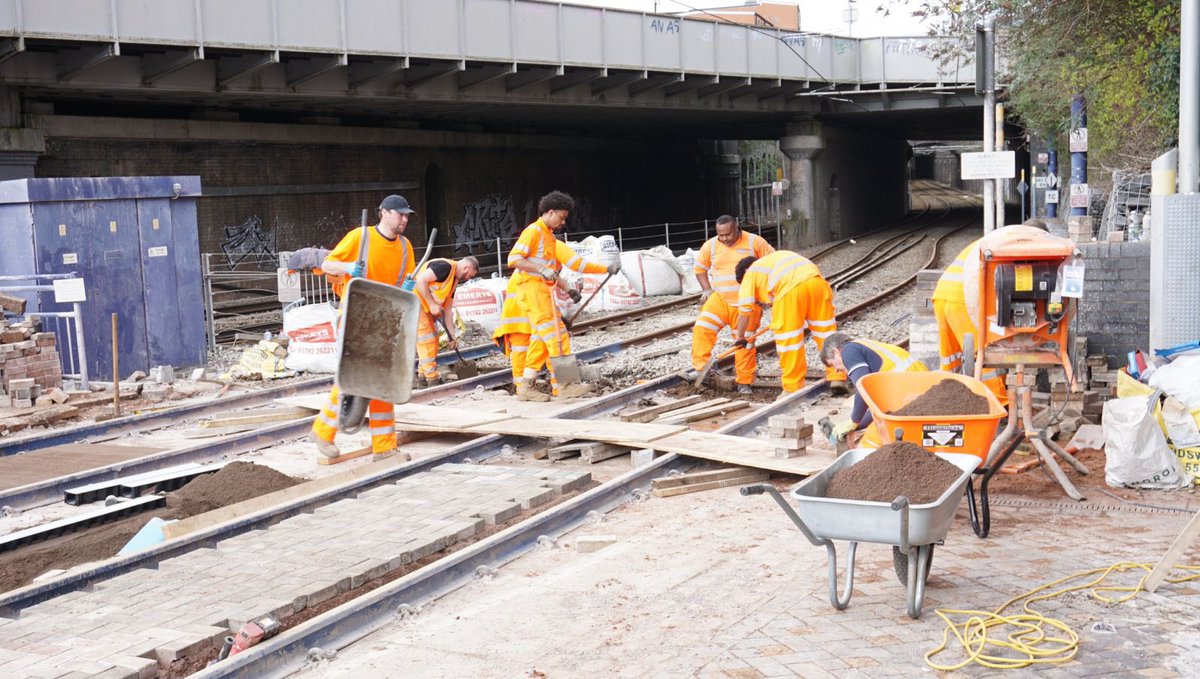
760 488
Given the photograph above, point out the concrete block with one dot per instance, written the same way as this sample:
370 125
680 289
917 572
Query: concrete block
788 453
587 544
641 456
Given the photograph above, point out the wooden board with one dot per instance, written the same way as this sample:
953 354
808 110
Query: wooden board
630 433
1184 540
704 413
344 457
647 414
49 463
750 476
741 451
693 408
700 477
258 417
314 402
448 419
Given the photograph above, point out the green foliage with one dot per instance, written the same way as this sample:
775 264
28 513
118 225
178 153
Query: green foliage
1123 55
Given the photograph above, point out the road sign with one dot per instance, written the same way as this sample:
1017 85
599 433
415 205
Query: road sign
1043 158
1079 195
1039 182
1022 188
1079 140
1051 196
989 165
776 188
1052 181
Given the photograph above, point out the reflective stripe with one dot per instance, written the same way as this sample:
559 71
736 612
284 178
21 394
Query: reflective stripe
328 420
952 277
713 316
823 334
823 324
518 349
382 431
888 353
989 375
856 366
426 337
380 417
788 335
787 348
710 326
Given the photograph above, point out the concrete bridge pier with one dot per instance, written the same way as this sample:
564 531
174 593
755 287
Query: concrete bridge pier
19 146
807 220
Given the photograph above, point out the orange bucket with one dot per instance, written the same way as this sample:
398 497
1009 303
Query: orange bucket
970 434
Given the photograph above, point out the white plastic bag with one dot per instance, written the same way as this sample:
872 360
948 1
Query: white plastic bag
1136 450
1180 424
1180 378
312 338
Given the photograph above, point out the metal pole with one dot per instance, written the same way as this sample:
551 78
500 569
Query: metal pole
1033 190
81 344
706 231
1000 193
208 304
989 118
668 232
1052 171
116 371
499 260
1079 158
1022 196
620 239
1189 96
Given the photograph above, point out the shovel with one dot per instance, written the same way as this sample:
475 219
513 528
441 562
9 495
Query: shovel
463 368
566 368
569 321
728 352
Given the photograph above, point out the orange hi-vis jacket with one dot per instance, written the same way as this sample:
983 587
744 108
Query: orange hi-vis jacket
718 261
772 277
950 285
443 290
538 245
388 261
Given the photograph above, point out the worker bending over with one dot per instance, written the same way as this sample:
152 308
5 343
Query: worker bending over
858 358
798 294
715 272
530 311
388 259
950 310
436 282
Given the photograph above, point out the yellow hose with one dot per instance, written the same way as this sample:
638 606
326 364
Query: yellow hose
1033 639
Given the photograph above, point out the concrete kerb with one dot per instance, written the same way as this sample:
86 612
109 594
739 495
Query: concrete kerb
355 619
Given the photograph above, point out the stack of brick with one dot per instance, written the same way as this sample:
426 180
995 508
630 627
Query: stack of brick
1079 228
22 393
27 353
922 325
1101 378
790 435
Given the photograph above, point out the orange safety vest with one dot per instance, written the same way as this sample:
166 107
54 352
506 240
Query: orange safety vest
950 285
383 264
538 245
442 290
895 359
772 277
719 261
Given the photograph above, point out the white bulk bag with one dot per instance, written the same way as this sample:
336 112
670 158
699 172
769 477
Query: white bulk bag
652 272
687 265
481 301
1137 455
312 338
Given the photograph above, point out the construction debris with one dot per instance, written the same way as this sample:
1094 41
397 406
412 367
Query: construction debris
694 483
28 357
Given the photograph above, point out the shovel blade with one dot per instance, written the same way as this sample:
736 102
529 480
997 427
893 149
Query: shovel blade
465 369
566 370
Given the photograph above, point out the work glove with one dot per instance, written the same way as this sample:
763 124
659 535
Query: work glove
614 268
842 429
358 270
740 343
575 295
704 295
549 274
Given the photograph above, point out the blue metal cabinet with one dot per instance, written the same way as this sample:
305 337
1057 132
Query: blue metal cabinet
134 241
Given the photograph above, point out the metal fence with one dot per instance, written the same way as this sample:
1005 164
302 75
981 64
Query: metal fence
759 206
67 326
245 297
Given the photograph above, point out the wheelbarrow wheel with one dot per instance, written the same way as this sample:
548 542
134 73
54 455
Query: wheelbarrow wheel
351 412
900 564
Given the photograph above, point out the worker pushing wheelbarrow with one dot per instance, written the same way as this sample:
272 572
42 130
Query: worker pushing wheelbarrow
913 529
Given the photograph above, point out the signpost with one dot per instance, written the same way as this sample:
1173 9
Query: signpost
989 165
1079 196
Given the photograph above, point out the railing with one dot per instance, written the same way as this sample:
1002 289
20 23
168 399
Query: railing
67 326
759 206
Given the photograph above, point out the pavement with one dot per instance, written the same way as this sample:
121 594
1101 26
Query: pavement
713 584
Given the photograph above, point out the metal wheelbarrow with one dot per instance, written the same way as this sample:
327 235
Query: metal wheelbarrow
376 348
912 530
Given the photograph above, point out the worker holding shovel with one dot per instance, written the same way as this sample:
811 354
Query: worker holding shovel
798 294
715 264
530 310
380 253
436 282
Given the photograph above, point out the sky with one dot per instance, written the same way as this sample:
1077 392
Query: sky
817 16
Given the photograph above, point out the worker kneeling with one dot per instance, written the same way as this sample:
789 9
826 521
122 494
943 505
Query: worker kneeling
436 282
715 271
858 358
797 293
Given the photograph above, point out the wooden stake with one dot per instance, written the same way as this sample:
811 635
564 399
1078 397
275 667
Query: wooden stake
116 372
1174 552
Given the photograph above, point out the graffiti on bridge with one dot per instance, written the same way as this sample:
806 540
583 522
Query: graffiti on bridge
246 239
483 222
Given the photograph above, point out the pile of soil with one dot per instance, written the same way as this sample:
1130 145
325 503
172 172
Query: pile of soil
948 397
234 483
895 469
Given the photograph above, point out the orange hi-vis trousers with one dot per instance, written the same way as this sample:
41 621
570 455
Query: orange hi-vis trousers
427 345
810 302
548 337
714 315
954 323
381 421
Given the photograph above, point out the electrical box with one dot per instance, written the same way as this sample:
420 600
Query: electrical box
134 241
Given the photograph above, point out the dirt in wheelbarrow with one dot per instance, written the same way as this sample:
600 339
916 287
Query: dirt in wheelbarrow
895 469
948 397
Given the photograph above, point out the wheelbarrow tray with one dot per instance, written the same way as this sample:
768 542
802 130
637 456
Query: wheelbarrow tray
377 344
862 521
887 392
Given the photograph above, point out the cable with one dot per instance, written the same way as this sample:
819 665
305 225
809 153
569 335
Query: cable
1032 643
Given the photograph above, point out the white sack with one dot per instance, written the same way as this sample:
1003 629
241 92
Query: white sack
481 301
1136 450
687 264
1180 424
652 272
312 338
1180 378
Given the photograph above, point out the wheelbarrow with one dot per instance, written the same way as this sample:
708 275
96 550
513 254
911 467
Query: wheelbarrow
376 348
912 530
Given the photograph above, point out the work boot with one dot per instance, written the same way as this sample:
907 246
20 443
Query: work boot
326 448
690 374
400 456
575 390
744 389
839 388
525 392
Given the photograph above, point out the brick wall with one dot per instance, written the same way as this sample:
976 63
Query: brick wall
1114 313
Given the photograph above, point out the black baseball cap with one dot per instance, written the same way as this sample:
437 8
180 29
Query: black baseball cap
398 203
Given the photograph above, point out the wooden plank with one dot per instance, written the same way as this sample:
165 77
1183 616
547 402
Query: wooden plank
258 417
1184 540
746 452
634 434
603 451
753 477
240 509
647 414
700 477
452 418
704 414
563 452
48 463
314 402
344 457
699 406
